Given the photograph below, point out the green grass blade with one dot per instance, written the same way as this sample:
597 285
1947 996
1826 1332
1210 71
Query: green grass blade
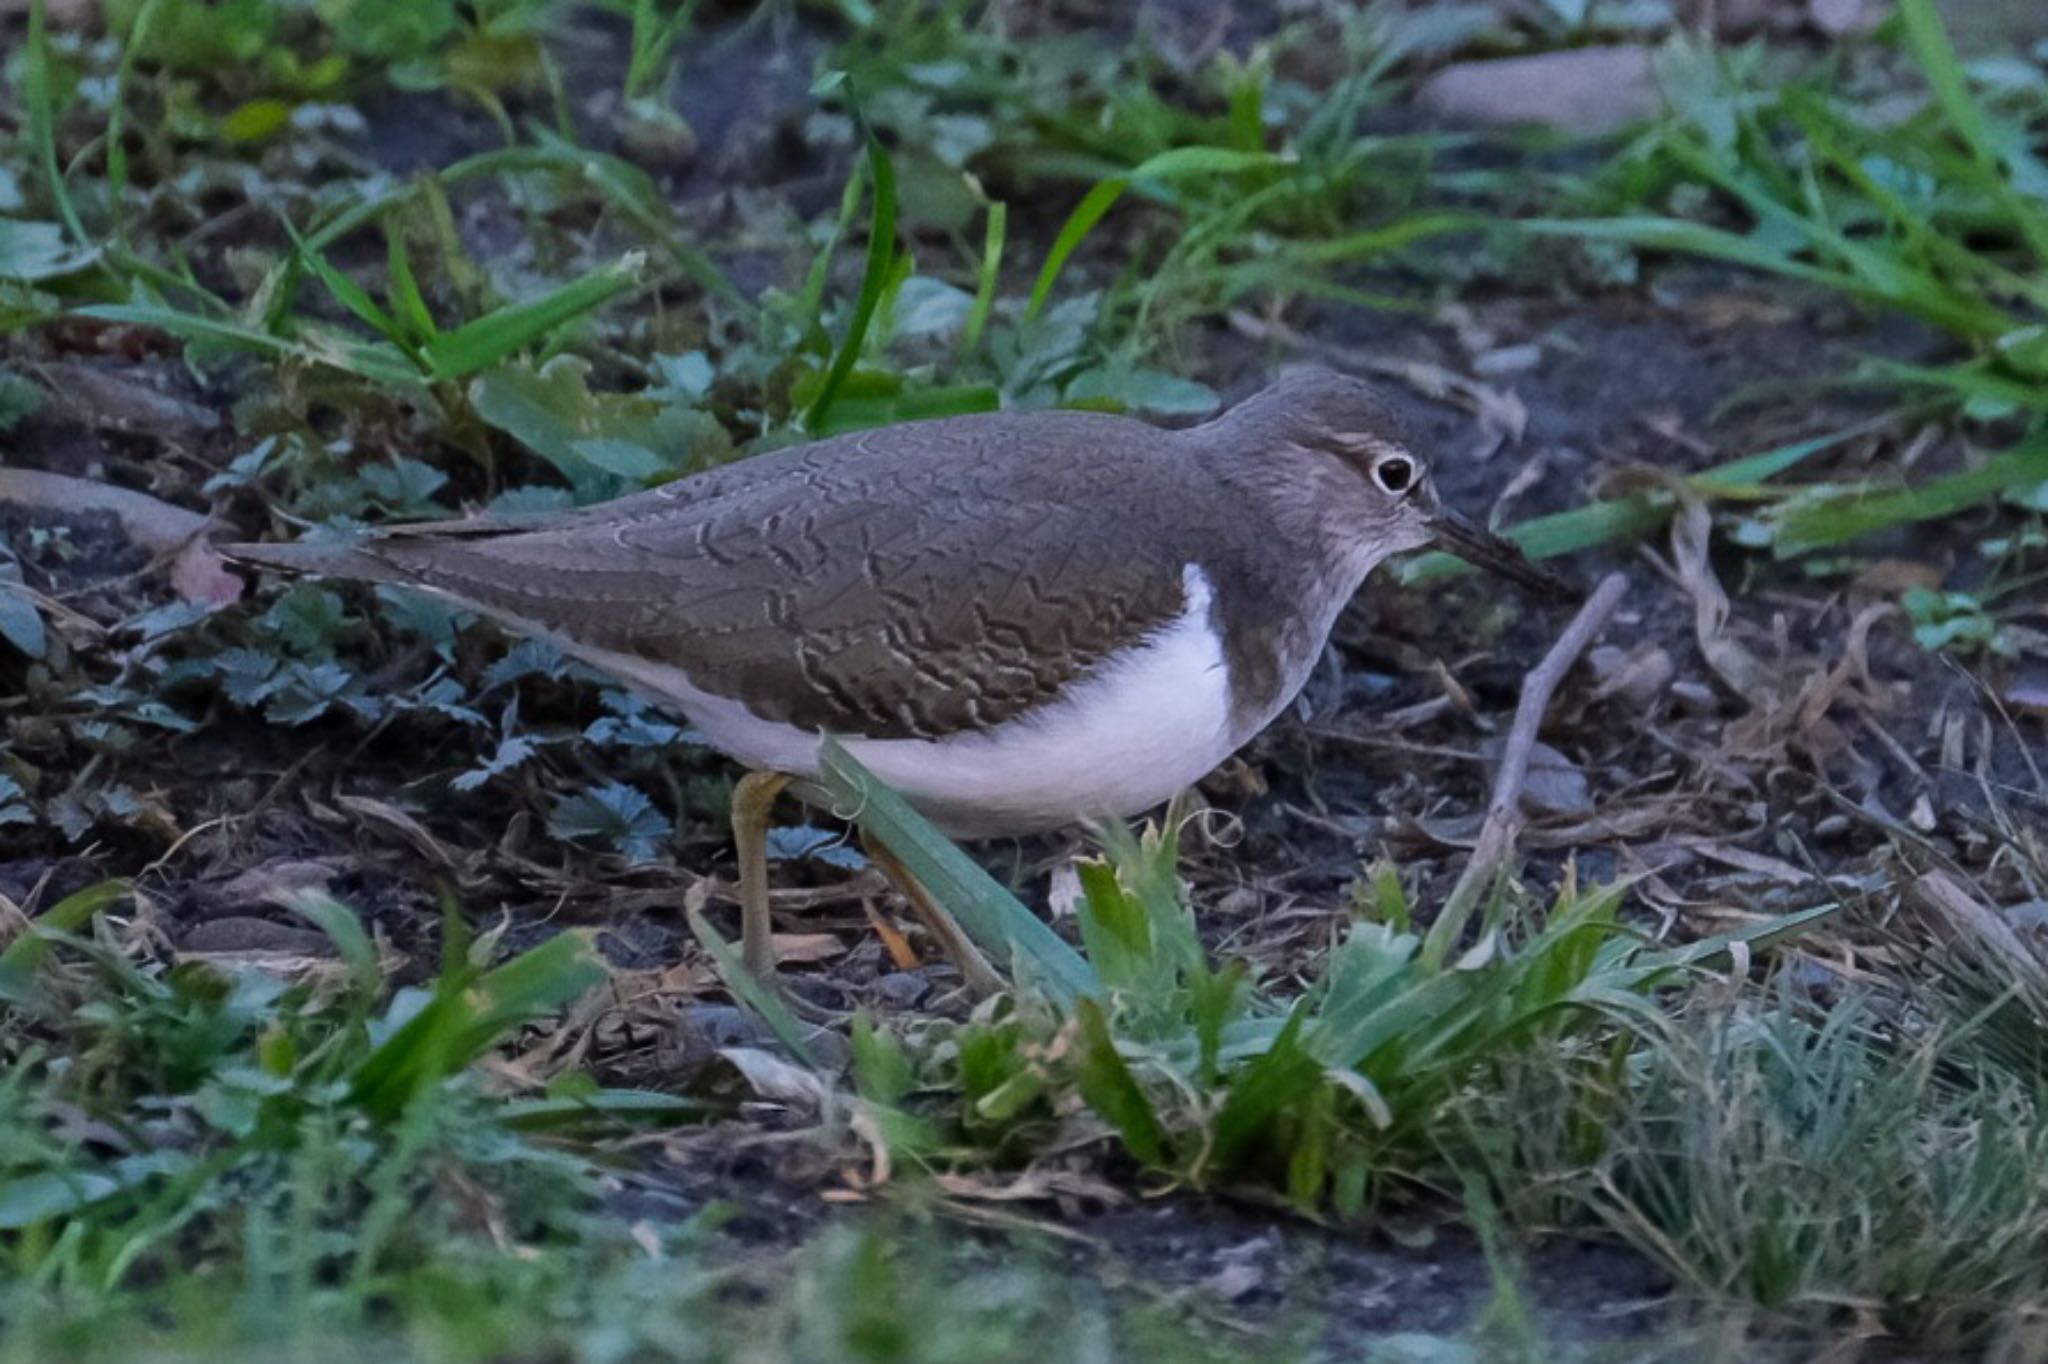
1379 241
1107 1084
873 280
117 113
991 274
1167 166
42 120
344 928
1621 518
619 183
415 319
466 1017
607 1109
1971 381
1096 202
752 993
1803 526
478 345
1927 39
380 363
23 960
995 919
1283 1073
1697 239
346 291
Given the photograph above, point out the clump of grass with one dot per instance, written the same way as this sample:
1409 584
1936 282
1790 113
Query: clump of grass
1813 1157
216 1128
1935 213
1337 1098
1823 1167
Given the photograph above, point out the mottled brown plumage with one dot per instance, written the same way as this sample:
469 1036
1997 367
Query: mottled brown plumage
916 580
939 577
1017 619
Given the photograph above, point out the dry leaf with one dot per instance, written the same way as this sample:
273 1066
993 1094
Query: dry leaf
1890 578
807 947
774 1078
1746 674
1638 676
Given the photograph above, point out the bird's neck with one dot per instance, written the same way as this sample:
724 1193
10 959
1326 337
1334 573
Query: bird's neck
1281 593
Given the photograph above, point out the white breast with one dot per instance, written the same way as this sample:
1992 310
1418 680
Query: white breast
1146 723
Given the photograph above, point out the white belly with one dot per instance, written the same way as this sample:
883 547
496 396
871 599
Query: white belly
1145 724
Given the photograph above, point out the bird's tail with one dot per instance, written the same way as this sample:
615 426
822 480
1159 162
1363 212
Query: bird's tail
323 561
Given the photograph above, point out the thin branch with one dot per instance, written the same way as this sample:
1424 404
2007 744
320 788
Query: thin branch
1496 842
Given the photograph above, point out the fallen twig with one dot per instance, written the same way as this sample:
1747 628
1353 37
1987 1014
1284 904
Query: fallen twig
1503 812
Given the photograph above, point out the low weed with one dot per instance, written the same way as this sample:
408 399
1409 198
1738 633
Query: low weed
1338 1098
299 1140
1931 208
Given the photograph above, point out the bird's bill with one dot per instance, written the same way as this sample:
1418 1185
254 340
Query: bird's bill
1481 548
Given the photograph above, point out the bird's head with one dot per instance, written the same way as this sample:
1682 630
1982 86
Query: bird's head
1389 498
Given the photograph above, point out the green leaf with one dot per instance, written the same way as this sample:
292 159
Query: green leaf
21 621
21 963
40 1197
32 251
344 928
1114 928
1111 1090
478 345
615 813
258 120
597 441
754 994
1805 524
874 279
996 920
466 1017
1143 390
627 459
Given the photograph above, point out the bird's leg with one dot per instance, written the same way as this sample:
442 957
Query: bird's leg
980 977
753 800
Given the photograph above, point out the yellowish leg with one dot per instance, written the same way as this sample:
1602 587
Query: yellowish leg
980 977
753 801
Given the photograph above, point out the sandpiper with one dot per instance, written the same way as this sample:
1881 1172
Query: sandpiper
1019 620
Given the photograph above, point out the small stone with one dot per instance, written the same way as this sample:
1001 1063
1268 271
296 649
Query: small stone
1555 785
902 989
1638 676
1586 90
1839 18
1695 698
244 933
721 1025
2030 916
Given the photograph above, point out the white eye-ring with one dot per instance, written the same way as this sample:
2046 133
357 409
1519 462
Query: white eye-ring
1395 474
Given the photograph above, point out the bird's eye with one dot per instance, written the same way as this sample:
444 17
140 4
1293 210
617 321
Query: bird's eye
1395 474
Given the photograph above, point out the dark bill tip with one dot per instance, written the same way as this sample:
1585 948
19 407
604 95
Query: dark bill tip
1481 548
